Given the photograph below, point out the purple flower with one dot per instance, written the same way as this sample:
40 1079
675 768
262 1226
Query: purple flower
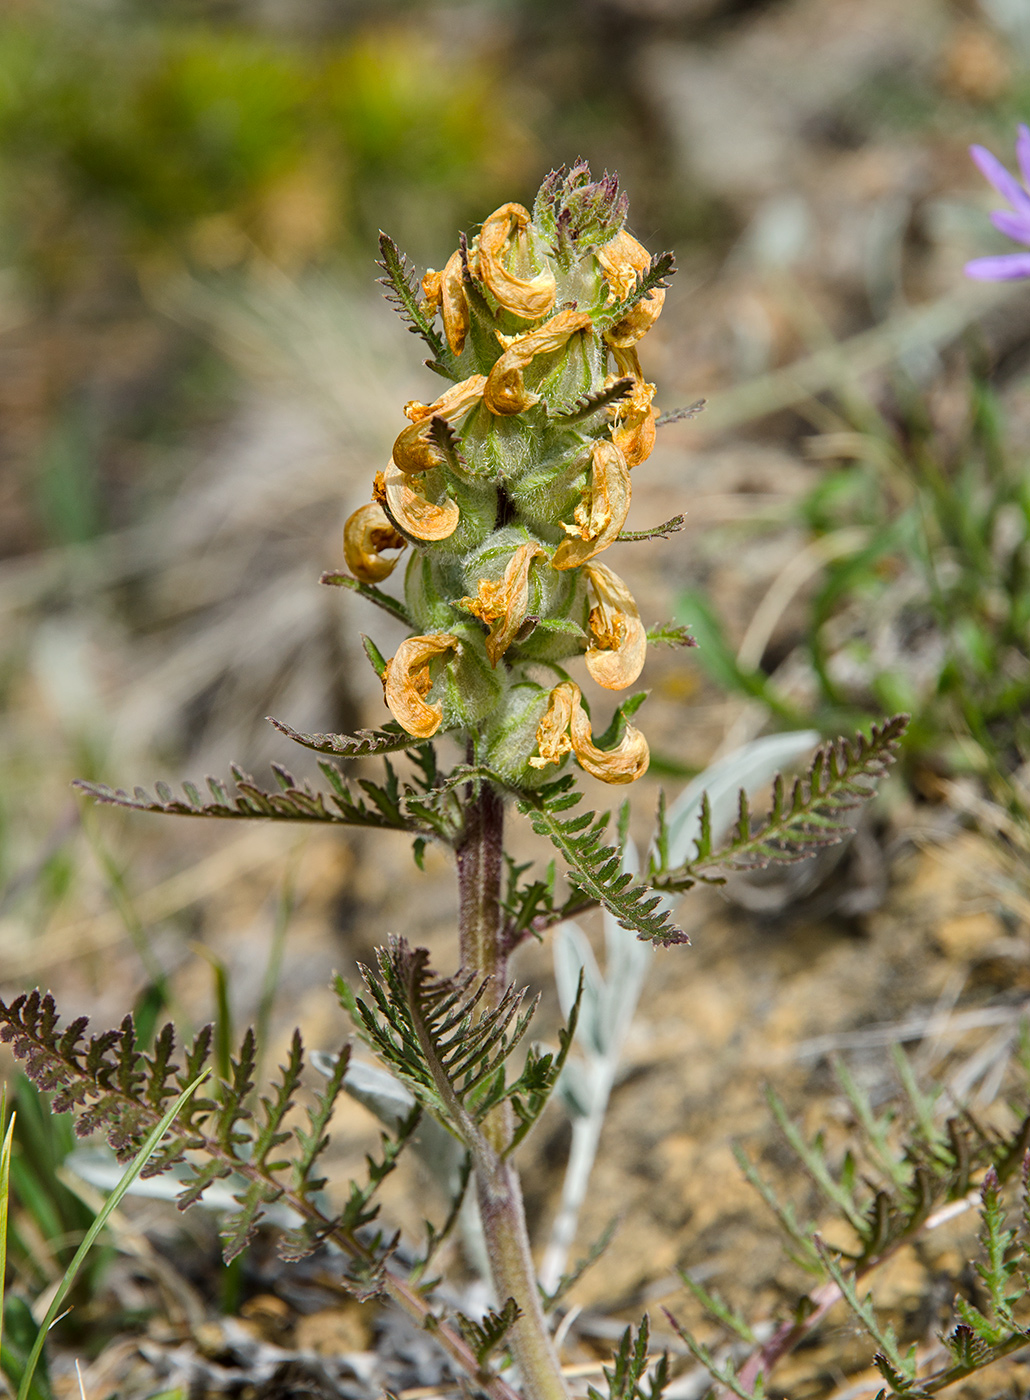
1014 223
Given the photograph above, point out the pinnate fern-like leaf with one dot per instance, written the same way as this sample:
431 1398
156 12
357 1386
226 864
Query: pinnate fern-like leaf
401 288
366 743
114 1086
656 276
295 801
485 1336
590 404
814 813
596 867
628 1365
435 1034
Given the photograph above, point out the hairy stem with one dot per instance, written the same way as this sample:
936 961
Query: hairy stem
498 1190
479 853
511 1266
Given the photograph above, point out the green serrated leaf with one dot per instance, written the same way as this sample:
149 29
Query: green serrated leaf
595 867
400 284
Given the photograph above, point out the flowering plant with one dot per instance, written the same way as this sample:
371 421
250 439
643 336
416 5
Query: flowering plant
506 489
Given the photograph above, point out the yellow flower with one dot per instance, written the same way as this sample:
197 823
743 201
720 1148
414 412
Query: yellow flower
505 390
406 683
565 727
622 260
602 512
504 604
414 450
418 516
446 290
552 733
529 298
615 657
633 428
366 534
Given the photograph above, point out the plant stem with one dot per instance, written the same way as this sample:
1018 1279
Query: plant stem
479 855
498 1190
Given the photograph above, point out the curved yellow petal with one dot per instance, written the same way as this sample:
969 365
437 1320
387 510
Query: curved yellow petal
602 513
529 298
615 656
552 733
412 512
565 727
365 535
504 604
406 683
414 451
623 259
625 763
454 304
633 426
505 390
431 291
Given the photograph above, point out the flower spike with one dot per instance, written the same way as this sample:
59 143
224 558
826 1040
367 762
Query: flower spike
406 683
509 486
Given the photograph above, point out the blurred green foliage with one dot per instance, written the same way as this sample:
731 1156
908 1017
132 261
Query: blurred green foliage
929 609
217 141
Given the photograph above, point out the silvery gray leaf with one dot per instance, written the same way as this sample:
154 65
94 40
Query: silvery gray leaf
373 1087
749 767
100 1169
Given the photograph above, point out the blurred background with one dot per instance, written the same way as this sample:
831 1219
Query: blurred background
198 379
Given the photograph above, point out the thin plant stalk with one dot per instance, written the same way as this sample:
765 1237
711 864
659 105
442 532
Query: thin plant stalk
498 1190
5 1189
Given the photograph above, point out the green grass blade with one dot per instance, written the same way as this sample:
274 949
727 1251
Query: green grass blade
5 1186
110 1205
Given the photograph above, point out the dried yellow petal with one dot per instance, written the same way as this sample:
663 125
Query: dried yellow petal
431 291
602 512
504 604
414 451
412 512
565 727
454 304
623 260
552 733
505 390
529 298
366 534
616 655
633 427
406 683
625 763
